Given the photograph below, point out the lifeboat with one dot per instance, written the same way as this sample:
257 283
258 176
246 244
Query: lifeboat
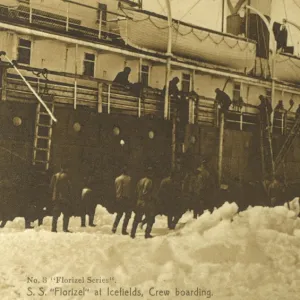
287 68
148 31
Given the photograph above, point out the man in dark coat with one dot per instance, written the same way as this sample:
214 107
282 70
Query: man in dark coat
123 200
265 109
203 189
88 204
276 192
173 88
223 100
122 77
145 204
61 197
170 195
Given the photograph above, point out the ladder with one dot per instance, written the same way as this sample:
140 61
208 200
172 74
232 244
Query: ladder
287 143
267 159
43 135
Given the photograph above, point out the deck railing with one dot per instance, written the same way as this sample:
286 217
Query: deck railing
66 19
107 97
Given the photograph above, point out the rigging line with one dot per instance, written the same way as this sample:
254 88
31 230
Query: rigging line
219 12
163 9
13 153
286 16
296 3
190 9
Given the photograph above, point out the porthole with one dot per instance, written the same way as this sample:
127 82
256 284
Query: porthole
151 135
77 127
17 121
192 139
116 131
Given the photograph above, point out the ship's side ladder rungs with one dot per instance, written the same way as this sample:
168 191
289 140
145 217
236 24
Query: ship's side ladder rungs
43 136
287 143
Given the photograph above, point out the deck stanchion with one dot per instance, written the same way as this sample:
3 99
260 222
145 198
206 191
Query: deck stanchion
68 17
108 98
100 25
221 144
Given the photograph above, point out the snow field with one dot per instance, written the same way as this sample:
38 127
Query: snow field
249 255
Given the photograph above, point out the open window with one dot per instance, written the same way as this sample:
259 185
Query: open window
144 75
24 51
186 83
102 13
89 64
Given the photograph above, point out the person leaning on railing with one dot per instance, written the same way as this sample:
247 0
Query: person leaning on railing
223 100
122 78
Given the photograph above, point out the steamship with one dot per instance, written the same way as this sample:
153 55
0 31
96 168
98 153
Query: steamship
69 52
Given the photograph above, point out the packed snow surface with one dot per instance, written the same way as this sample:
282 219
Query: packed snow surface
226 255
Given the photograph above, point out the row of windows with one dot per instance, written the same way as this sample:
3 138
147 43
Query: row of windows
24 57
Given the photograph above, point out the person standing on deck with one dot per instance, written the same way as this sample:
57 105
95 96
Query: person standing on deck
265 109
123 200
61 197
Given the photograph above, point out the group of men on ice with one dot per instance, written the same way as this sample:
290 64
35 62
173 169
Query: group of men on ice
172 198
175 195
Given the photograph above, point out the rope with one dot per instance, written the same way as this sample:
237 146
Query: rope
296 3
162 8
286 16
190 9
12 153
32 90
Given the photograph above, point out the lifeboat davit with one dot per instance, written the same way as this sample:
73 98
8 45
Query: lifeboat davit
149 31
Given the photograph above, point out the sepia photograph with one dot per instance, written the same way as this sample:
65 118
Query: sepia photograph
150 149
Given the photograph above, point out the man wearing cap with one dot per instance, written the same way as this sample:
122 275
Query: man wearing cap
123 200
145 204
61 197
170 199
203 189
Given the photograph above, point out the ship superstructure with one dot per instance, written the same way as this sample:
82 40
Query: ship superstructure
70 53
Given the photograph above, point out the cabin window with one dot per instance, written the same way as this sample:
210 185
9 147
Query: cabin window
89 64
145 70
24 51
102 9
186 83
236 91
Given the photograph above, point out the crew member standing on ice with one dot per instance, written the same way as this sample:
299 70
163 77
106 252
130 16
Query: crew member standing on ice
276 191
203 190
223 100
61 197
88 204
170 199
145 204
123 200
